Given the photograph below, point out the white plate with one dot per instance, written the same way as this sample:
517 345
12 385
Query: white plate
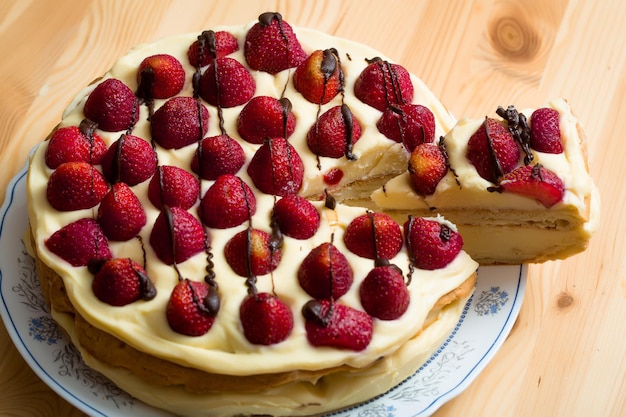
486 321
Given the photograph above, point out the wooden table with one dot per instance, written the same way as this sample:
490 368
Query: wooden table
566 355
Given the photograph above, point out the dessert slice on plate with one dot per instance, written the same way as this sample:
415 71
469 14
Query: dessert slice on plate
517 186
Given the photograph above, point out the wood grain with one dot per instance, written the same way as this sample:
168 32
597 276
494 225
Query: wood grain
566 353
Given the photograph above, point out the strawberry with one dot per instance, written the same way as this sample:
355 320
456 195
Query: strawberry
121 281
173 186
266 320
227 203
427 167
319 78
209 45
75 186
276 168
334 133
71 144
160 76
176 123
177 235
113 106
217 155
272 46
251 252
296 217
187 312
384 294
120 213
79 242
545 131
410 124
226 83
337 325
382 84
536 182
266 117
492 150
374 236
432 244
325 272
129 159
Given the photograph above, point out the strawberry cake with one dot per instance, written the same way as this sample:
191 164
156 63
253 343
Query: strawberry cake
190 231
515 183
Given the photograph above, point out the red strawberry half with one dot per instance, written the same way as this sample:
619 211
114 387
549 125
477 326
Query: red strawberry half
427 167
382 84
492 150
325 272
121 281
227 203
276 168
209 45
536 182
113 105
251 252
431 244
272 46
173 186
266 117
373 236
177 235
120 214
226 83
75 186
187 311
410 124
337 325
319 78
176 124
266 320
162 75
334 133
130 159
79 242
218 155
545 131
296 217
71 144
384 293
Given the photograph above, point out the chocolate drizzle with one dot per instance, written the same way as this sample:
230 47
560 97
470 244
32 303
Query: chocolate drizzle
285 106
348 120
329 202
444 151
409 246
117 163
144 91
146 287
87 128
313 310
519 128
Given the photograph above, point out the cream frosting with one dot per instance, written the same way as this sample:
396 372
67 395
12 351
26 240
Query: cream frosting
224 349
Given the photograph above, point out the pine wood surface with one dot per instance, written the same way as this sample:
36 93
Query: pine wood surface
566 355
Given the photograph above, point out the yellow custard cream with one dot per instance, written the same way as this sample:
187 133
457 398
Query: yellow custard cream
397 348
504 227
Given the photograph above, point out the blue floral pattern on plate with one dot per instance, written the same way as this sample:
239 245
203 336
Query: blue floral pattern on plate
485 323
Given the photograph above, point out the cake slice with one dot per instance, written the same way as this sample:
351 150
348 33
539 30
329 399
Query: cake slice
516 184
